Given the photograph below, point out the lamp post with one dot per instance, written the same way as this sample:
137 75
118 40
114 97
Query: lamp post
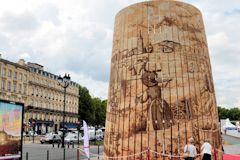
64 82
33 125
78 129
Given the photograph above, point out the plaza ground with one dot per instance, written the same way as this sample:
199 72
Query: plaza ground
39 151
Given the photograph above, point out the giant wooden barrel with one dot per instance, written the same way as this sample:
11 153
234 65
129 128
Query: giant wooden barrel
161 89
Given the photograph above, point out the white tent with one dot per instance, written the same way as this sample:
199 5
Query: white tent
228 125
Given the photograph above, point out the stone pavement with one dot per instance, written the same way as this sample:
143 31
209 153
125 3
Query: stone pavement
40 151
233 133
231 144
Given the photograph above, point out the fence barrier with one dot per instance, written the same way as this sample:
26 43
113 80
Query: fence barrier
47 154
148 154
26 155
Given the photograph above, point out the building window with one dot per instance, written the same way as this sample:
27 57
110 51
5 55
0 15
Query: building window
25 77
3 85
15 75
25 89
20 88
14 87
32 102
9 86
3 71
20 76
40 92
32 90
10 73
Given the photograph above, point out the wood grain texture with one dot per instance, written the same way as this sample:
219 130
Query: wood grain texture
161 90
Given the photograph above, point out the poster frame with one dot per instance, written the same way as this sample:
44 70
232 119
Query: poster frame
20 104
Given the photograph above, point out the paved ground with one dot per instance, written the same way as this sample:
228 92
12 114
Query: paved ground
39 152
231 145
233 133
229 140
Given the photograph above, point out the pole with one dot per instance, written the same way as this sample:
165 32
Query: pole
33 131
63 153
26 155
78 155
98 151
64 105
148 154
78 139
171 140
47 154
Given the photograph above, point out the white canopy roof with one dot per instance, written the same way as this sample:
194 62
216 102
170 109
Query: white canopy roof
229 125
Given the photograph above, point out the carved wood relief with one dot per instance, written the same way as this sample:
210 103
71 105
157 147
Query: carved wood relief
161 90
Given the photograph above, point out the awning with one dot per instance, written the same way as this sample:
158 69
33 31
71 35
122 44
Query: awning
44 122
69 125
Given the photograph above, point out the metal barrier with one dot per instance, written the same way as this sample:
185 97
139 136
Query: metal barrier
46 153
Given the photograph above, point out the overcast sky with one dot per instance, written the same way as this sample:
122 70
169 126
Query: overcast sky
75 36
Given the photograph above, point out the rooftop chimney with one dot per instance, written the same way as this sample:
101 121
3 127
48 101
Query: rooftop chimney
21 62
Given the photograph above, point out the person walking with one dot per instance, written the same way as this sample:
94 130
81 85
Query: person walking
190 150
206 149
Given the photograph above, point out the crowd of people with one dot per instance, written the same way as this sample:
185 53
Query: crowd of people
190 152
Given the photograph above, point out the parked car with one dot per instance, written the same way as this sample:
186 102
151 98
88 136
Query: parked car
99 135
73 138
30 134
91 133
60 133
51 138
238 128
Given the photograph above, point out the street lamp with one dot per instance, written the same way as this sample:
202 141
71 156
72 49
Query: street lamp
64 82
33 125
78 129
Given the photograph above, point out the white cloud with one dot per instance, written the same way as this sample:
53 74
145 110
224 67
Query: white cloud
218 39
76 36
24 56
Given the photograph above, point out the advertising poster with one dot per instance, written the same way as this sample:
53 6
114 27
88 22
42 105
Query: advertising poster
11 116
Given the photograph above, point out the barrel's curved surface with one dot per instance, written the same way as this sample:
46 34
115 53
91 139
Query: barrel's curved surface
161 89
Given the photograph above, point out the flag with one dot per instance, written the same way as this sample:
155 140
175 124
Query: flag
86 139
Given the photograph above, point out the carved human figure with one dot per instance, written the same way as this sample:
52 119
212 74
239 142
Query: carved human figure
157 108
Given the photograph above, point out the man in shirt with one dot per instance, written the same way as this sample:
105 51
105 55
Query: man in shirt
190 150
206 150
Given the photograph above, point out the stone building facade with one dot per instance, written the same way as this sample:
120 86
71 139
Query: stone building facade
14 81
161 90
42 96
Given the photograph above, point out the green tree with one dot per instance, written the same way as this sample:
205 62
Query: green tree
86 108
232 114
223 113
100 111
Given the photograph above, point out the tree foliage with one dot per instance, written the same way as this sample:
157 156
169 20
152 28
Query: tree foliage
100 111
232 114
92 110
86 110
